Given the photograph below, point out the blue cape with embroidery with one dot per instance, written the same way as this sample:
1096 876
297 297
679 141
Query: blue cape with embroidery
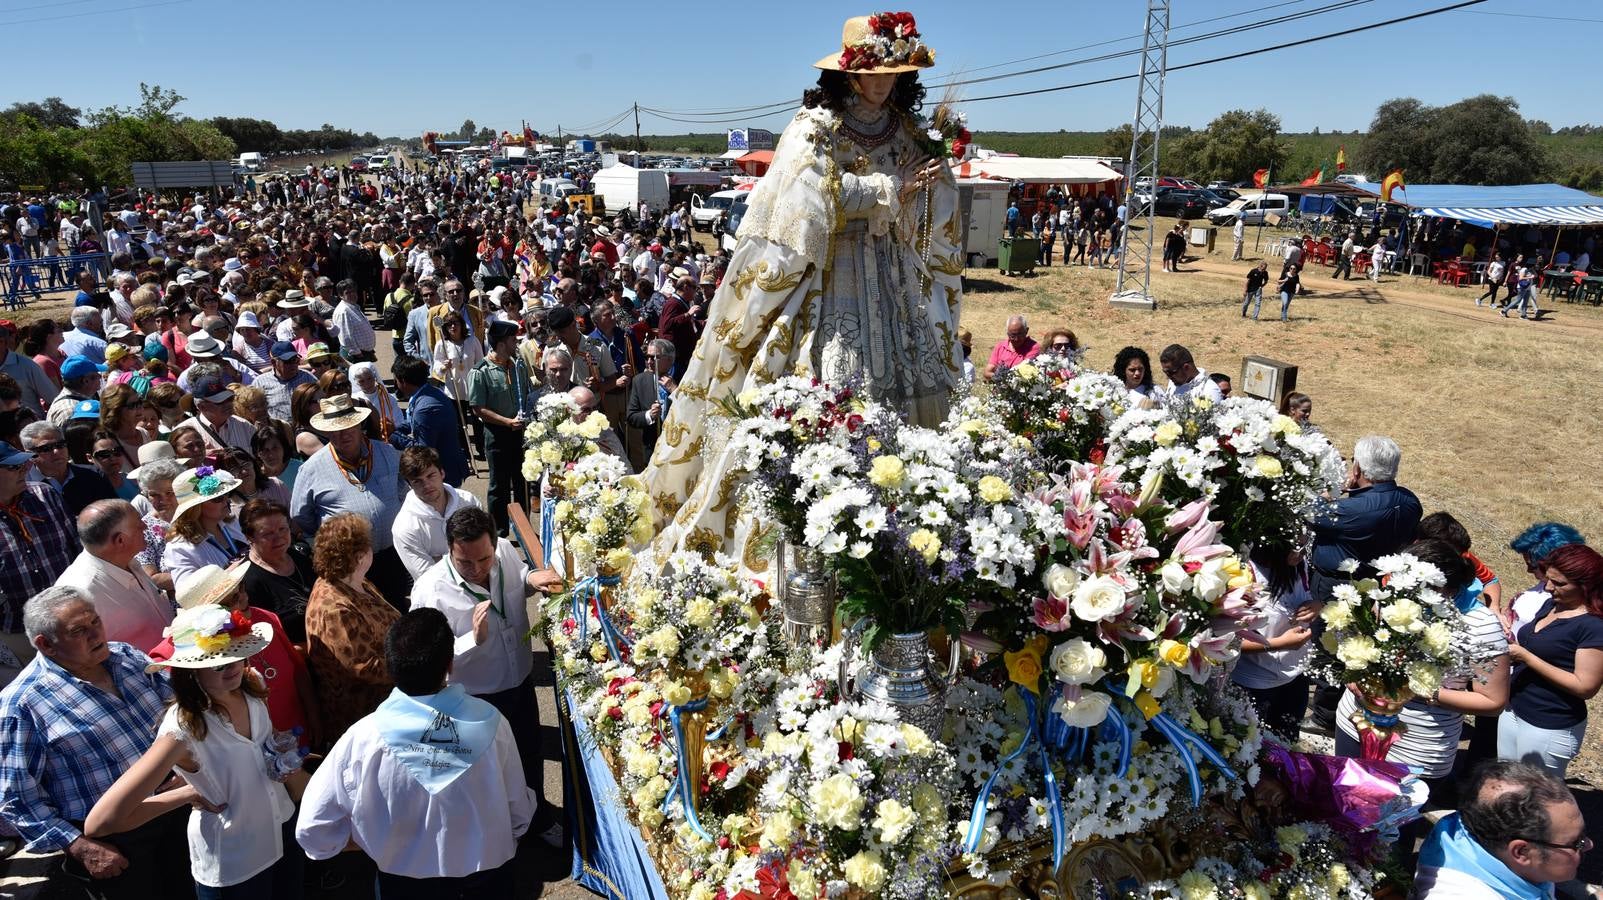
436 737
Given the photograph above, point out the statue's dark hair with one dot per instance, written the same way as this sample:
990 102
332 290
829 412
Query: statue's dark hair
835 88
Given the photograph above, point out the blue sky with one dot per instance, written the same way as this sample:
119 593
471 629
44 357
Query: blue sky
403 66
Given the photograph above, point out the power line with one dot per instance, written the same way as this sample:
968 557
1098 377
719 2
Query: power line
1531 16
1223 32
97 12
1242 55
717 116
61 3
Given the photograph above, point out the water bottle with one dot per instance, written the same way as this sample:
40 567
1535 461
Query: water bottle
283 753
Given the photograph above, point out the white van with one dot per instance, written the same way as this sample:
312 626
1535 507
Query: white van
705 212
624 187
1250 209
556 188
252 162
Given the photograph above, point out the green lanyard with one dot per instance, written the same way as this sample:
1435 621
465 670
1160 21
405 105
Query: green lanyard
478 595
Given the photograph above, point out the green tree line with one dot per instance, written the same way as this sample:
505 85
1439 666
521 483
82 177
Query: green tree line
53 144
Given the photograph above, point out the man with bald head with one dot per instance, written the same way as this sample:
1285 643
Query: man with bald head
609 442
1014 349
133 609
1517 834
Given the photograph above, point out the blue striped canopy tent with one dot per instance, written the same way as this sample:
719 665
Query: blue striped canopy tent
1499 204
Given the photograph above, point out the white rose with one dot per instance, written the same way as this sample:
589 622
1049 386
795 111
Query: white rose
1060 580
1076 661
1097 598
1088 711
1210 581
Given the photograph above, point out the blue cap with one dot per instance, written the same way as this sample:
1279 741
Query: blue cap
78 366
285 351
86 409
11 456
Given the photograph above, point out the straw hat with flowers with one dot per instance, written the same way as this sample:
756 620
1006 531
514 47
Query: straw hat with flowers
883 44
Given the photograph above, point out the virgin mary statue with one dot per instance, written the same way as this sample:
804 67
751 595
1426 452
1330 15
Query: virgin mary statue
847 269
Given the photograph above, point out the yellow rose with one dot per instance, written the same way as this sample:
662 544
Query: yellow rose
1285 425
1024 665
994 489
887 471
1166 433
1268 467
865 871
1148 705
1026 371
1142 673
1173 652
925 543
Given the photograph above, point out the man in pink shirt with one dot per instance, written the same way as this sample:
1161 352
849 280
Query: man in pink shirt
1017 347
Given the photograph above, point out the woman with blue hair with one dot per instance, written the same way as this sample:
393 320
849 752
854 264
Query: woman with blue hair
1534 544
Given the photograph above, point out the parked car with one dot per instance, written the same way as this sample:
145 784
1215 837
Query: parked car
378 162
358 164
1180 203
1251 209
703 212
737 211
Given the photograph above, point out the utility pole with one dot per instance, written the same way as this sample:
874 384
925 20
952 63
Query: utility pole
1135 255
638 147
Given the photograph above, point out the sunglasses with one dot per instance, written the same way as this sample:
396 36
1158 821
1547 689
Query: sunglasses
105 454
1062 346
51 447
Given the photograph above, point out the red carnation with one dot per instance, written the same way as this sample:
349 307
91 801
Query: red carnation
846 751
238 623
719 770
873 23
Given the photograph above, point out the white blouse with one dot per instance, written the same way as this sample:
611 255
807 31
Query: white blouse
242 841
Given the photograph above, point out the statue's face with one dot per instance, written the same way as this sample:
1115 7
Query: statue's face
875 89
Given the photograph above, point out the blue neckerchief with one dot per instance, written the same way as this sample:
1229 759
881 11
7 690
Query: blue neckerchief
665 400
1450 846
436 737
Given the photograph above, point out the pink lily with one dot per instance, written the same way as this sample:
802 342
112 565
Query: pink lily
1207 650
1051 613
979 642
1199 543
1188 515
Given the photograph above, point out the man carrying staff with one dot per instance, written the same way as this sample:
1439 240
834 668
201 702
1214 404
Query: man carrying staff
499 391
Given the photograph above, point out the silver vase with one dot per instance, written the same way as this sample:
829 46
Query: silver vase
806 594
903 673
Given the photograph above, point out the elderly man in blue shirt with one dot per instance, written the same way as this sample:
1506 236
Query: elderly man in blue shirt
431 418
1376 518
80 713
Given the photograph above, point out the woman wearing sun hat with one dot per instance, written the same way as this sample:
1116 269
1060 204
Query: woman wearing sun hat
202 531
852 263
216 736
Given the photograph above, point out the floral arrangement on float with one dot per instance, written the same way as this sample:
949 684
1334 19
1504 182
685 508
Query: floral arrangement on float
1063 409
556 438
1301 861
1393 639
1100 601
1264 474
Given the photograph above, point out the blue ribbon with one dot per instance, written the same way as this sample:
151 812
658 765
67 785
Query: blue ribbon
681 788
1054 801
586 594
548 528
1183 740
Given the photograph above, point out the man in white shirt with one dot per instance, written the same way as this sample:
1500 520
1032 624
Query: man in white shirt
420 525
430 755
121 308
349 323
482 585
132 608
1185 378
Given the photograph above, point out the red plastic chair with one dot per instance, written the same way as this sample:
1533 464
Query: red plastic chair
1456 272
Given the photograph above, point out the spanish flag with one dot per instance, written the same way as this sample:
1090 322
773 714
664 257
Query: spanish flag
1392 183
1341 159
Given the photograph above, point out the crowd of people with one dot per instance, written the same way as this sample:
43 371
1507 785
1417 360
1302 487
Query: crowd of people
208 439
204 466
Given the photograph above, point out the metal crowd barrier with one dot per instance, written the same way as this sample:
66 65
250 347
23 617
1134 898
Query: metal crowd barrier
33 278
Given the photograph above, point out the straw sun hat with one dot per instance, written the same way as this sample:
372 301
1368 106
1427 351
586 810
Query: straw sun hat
885 44
195 486
338 413
208 636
